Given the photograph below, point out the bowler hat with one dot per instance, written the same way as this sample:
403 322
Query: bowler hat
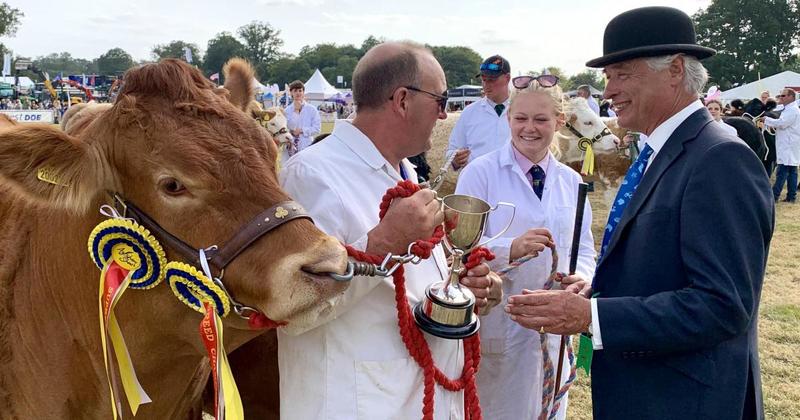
649 32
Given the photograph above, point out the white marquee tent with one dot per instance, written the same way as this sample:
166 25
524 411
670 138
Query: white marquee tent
318 89
773 84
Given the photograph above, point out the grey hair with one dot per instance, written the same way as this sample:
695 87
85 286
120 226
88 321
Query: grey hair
696 76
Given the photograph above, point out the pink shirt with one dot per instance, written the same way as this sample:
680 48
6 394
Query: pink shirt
525 164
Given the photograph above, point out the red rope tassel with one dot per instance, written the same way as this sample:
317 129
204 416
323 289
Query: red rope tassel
412 337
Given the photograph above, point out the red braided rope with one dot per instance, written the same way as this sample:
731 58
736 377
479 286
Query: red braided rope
412 337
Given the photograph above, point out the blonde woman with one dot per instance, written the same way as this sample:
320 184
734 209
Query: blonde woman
526 173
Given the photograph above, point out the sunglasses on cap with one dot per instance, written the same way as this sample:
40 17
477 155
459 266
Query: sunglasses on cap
544 80
491 67
441 99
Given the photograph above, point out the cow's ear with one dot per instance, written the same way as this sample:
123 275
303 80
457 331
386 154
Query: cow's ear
270 114
239 76
48 166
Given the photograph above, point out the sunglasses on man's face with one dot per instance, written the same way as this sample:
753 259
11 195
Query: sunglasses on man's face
780 96
441 99
544 80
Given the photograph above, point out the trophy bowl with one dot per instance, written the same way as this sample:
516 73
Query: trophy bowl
448 310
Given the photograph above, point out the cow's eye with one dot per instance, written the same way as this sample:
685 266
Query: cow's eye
171 186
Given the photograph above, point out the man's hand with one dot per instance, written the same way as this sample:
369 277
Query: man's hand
407 220
531 242
461 159
577 284
553 311
486 286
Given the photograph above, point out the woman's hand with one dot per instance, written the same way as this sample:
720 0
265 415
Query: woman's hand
531 242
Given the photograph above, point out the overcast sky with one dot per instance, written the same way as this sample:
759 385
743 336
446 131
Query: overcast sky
530 34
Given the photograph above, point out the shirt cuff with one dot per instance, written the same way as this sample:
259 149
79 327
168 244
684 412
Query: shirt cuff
597 340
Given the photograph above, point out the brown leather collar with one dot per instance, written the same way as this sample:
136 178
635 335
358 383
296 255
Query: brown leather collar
218 257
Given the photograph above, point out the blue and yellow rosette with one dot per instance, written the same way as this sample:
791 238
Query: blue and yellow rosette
128 256
200 293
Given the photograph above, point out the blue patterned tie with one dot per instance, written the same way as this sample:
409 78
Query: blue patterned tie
537 180
624 195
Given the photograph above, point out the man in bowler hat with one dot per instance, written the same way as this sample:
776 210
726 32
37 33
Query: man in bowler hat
674 303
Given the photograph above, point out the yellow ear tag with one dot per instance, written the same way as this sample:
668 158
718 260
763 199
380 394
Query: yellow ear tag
126 257
50 176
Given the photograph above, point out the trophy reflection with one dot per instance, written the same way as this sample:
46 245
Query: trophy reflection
447 309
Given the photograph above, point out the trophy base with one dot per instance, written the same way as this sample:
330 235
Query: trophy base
452 332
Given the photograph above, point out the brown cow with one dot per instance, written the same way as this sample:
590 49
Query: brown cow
177 148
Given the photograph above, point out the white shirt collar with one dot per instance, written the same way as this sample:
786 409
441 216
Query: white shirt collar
363 147
663 132
492 104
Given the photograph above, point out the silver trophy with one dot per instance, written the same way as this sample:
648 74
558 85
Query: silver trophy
447 310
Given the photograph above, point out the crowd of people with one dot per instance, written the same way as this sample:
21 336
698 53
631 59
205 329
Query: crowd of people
668 304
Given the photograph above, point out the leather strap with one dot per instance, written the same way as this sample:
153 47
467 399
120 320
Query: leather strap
219 258
603 133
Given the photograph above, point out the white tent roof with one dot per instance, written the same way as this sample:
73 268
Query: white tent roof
24 81
317 88
773 84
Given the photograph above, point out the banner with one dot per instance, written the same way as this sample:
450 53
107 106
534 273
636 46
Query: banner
30 116
7 65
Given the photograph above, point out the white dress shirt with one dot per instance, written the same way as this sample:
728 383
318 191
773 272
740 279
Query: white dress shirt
307 120
787 135
656 140
480 129
353 364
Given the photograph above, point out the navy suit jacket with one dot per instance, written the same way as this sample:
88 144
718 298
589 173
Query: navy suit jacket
680 283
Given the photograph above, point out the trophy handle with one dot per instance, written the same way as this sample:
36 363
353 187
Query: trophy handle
508 225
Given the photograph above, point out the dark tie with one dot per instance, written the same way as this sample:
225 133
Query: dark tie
624 195
537 180
499 109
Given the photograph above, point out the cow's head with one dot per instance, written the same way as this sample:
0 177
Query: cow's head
589 125
188 156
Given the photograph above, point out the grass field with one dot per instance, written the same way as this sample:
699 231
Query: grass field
779 316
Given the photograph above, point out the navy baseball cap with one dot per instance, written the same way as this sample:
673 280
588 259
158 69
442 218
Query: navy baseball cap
494 66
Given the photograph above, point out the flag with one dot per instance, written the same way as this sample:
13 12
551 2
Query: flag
187 52
7 65
214 76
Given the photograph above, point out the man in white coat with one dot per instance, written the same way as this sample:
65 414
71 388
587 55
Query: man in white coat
787 145
483 126
354 364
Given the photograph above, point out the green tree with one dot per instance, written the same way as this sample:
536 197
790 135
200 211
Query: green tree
288 69
115 61
370 42
64 63
460 64
752 38
9 22
174 49
320 56
261 42
220 49
587 77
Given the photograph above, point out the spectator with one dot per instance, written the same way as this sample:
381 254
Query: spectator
787 145
483 126
303 120
714 107
584 91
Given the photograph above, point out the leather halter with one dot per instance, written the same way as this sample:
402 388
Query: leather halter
218 257
604 132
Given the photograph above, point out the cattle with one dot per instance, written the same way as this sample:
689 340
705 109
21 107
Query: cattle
191 159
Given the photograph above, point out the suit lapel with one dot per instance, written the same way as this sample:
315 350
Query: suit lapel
687 131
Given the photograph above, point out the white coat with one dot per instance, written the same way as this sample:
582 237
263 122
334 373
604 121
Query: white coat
510 378
353 365
787 135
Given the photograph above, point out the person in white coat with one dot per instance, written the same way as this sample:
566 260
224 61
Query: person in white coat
302 119
714 107
526 173
787 145
353 363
